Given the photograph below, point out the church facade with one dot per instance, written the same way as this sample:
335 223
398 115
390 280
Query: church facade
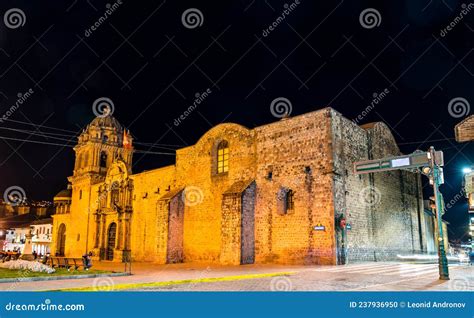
278 193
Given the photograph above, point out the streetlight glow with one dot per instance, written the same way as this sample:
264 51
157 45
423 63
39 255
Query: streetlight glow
467 170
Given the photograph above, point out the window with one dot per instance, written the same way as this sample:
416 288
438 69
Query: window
103 159
290 204
223 157
80 194
285 201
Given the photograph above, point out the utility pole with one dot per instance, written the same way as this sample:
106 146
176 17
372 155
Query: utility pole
436 177
428 163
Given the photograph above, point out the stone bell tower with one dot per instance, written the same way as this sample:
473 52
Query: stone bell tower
102 145
103 141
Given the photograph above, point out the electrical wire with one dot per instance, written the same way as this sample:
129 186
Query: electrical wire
72 146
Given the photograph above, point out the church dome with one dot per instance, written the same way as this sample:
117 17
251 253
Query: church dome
108 121
63 194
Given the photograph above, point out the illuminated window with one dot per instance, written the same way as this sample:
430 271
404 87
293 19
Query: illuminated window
223 157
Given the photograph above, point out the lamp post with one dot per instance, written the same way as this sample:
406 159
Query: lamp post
436 174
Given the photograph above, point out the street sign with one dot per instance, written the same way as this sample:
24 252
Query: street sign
319 228
414 160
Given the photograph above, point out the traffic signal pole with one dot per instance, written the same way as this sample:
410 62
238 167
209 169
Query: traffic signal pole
430 163
436 176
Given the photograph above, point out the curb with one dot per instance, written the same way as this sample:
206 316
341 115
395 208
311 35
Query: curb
48 278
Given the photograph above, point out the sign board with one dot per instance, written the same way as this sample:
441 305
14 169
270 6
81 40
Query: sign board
414 160
319 228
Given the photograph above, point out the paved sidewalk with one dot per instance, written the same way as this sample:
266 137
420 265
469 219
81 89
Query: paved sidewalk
201 277
149 273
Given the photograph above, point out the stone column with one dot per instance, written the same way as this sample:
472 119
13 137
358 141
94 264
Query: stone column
127 230
97 230
120 231
103 243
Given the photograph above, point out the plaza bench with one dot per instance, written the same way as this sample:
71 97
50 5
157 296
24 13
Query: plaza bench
66 262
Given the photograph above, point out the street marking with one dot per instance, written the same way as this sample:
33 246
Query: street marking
384 269
342 268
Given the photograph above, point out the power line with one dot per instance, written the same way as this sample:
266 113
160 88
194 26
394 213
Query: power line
41 126
71 133
72 146
35 141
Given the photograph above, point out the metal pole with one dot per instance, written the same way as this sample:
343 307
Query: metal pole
442 260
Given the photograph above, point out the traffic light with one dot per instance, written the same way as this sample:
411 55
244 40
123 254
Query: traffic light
471 224
432 203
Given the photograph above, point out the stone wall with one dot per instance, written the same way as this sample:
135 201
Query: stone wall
150 214
384 209
295 153
464 131
189 212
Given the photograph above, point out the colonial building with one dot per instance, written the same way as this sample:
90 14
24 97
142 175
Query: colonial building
272 194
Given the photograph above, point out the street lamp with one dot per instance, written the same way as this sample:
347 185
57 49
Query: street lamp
467 170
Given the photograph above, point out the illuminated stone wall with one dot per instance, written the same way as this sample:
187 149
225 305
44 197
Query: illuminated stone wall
464 131
384 210
189 212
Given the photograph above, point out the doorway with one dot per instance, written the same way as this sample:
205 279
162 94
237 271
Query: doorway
61 247
111 234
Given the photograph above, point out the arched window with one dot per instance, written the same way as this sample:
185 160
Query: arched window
103 160
223 157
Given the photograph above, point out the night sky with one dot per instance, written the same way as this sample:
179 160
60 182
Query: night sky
152 66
